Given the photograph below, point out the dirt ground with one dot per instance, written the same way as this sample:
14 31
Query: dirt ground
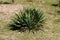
9 8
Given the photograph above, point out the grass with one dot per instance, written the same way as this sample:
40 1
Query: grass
57 20
51 1
51 29
46 1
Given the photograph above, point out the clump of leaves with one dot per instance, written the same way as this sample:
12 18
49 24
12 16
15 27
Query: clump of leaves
30 0
58 12
1 2
55 5
57 20
13 1
59 3
29 19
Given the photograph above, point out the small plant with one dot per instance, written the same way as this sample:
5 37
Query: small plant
6 3
55 5
30 0
59 3
57 21
58 12
1 2
13 1
29 19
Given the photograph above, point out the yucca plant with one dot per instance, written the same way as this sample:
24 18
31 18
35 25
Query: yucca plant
28 19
